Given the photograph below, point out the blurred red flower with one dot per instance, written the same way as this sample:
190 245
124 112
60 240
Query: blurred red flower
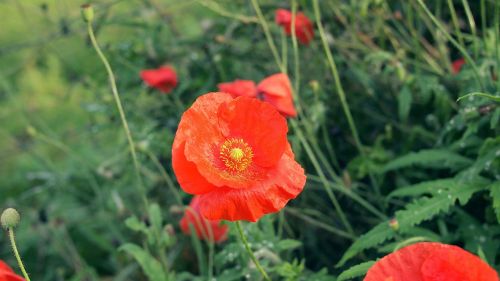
163 78
456 65
303 26
7 274
277 90
245 88
431 262
205 229
234 153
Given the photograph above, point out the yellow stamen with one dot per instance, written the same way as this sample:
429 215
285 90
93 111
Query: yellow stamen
236 155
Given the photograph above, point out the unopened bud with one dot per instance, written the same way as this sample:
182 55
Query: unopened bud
10 218
31 131
87 13
394 224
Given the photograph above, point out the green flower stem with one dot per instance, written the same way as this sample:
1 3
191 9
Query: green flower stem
322 176
123 118
454 42
16 253
269 38
250 253
340 91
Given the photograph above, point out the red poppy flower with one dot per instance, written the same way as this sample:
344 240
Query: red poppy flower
245 88
303 26
431 262
163 78
234 153
456 65
277 90
7 274
205 229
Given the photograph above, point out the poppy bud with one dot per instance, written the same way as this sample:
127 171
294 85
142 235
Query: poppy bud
394 224
10 218
87 13
31 131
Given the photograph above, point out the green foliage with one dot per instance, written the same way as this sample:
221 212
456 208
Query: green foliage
355 271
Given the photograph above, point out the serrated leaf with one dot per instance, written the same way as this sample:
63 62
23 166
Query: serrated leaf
414 213
434 158
495 195
356 271
151 267
375 236
426 208
426 187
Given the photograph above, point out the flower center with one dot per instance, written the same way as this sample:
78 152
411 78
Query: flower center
236 155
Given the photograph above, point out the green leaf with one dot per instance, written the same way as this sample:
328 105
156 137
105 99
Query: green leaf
434 158
404 103
375 236
427 187
155 217
356 271
288 244
414 213
495 195
426 208
151 267
484 95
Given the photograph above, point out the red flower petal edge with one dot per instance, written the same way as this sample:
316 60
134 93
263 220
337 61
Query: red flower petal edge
245 88
303 26
205 229
429 261
277 90
163 78
234 153
457 65
7 274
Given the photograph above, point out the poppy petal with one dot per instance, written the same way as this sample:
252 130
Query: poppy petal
246 88
201 138
277 90
457 65
7 274
451 263
430 262
260 125
284 182
163 78
204 228
283 17
187 174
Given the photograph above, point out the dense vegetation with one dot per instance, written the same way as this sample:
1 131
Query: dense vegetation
397 161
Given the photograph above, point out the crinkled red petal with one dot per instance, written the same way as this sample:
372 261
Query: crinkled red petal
205 229
277 90
7 274
188 177
430 262
196 135
259 125
163 78
283 17
451 263
245 88
284 182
